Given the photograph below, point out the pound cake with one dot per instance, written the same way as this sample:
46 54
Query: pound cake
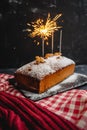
43 73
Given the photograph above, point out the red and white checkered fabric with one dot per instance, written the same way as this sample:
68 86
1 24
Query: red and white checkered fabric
72 105
8 88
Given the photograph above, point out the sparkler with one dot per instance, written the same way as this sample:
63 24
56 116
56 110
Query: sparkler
46 30
60 40
52 41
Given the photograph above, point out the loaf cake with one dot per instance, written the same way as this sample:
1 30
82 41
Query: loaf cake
43 73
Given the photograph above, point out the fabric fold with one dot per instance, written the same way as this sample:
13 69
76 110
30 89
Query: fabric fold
21 113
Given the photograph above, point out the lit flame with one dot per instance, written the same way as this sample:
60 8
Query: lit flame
44 30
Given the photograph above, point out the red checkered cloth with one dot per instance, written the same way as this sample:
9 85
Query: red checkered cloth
8 88
72 105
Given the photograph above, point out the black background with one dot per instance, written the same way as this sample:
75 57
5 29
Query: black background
16 48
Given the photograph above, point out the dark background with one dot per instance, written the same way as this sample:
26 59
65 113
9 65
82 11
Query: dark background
16 48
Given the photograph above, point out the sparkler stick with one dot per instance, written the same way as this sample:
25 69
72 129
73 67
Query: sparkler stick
52 41
60 40
43 46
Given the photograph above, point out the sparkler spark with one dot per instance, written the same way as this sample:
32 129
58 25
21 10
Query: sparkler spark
44 30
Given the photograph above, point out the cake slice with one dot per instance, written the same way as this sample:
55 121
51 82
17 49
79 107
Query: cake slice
38 76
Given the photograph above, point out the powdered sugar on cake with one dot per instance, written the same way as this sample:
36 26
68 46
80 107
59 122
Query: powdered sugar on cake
51 65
